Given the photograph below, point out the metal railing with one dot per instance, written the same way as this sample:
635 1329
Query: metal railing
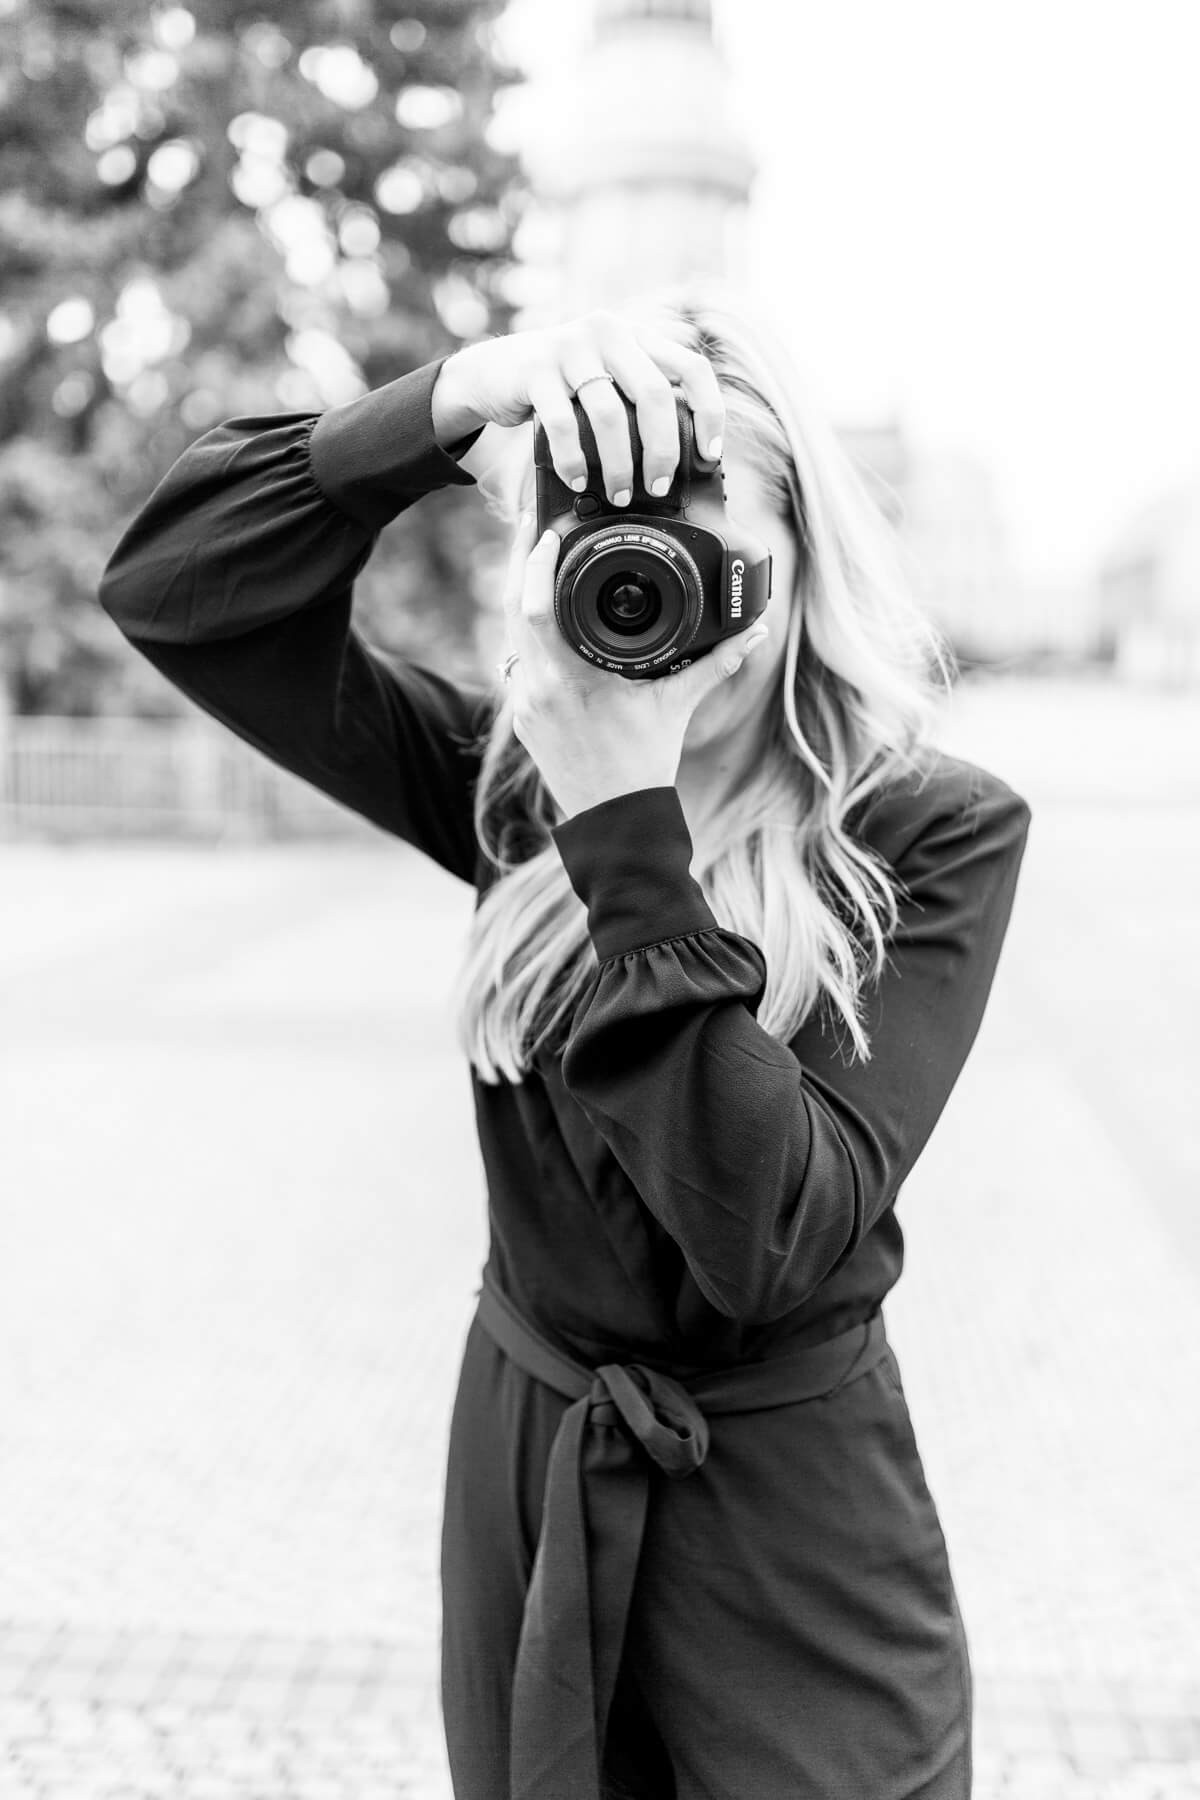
110 777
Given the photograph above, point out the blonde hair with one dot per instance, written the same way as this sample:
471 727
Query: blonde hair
862 675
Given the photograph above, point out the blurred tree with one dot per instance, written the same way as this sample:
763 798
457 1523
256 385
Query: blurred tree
220 210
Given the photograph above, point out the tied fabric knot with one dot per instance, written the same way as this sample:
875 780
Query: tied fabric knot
661 1415
581 1586
624 1422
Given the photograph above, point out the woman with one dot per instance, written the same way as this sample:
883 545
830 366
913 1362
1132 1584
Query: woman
688 1549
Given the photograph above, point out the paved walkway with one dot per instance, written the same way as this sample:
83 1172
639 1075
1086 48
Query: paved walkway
238 1271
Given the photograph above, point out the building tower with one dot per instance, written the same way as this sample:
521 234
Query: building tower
638 158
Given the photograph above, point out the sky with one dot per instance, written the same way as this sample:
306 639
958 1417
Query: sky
984 219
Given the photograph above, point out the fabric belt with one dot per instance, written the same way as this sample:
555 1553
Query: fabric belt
594 1516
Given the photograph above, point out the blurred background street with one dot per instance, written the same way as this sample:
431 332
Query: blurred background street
243 1209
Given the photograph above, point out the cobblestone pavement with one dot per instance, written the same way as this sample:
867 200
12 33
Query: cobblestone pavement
243 1229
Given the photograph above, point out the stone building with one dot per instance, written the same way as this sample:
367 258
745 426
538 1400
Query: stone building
640 164
1149 592
944 504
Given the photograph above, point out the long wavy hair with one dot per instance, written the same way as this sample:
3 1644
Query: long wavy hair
854 704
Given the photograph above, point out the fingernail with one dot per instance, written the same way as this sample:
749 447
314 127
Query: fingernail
622 497
579 483
714 450
660 486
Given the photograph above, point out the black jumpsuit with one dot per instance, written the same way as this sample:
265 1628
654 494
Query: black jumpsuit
671 1190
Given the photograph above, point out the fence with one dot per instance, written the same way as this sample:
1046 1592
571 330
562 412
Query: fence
106 777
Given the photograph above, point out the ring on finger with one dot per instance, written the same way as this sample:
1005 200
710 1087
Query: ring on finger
600 375
623 494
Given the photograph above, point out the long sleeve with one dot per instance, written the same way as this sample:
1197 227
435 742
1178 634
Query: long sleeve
236 581
768 1162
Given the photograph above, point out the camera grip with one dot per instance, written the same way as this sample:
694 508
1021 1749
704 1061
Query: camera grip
554 497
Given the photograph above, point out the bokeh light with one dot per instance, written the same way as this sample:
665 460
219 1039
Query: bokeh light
422 108
71 321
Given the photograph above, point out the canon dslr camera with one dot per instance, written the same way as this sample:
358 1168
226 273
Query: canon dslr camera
645 589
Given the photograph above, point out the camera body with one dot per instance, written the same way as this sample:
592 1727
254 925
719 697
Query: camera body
645 589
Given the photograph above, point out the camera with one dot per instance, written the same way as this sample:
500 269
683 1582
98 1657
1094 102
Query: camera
645 589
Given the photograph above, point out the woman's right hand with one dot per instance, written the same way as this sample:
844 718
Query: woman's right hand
504 380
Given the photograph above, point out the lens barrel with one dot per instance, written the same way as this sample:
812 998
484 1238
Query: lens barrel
628 595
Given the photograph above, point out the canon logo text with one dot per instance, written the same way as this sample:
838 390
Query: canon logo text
737 569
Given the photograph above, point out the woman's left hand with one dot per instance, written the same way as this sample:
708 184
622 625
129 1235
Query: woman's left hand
593 734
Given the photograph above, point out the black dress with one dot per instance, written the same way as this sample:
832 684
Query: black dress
673 1190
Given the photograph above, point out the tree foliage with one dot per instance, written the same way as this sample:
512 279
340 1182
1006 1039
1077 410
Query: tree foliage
229 210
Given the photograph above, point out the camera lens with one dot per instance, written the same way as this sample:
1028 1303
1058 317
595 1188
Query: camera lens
628 603
628 597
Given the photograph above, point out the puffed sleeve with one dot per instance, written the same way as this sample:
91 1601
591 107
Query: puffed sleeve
768 1162
236 581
